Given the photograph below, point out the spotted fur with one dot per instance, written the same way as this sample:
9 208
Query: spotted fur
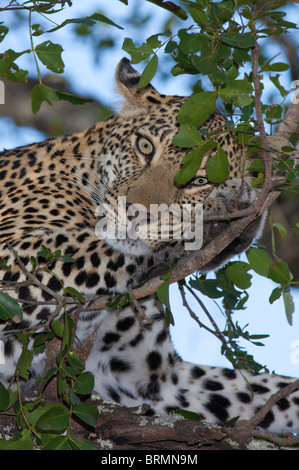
50 195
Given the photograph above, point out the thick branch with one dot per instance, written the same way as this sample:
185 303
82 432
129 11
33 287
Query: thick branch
186 267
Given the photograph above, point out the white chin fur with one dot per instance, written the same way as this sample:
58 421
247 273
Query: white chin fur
126 246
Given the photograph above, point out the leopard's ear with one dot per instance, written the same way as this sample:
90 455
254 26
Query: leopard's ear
127 79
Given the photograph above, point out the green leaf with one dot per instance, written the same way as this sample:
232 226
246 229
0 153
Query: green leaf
7 60
149 72
25 360
84 385
4 398
87 413
55 419
9 307
190 43
237 273
275 81
259 260
218 167
275 294
208 287
279 67
192 161
67 334
280 272
72 292
196 110
21 441
205 63
57 327
58 443
76 444
288 304
281 228
50 55
188 136
3 32
88 21
190 415
39 94
257 166
137 53
236 91
163 295
63 95
240 41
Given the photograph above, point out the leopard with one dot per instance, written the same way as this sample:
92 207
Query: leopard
52 195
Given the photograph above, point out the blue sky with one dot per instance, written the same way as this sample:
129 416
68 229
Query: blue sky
192 343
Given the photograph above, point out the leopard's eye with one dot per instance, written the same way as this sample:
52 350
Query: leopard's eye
145 146
199 181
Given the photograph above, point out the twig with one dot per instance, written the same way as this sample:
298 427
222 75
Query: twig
192 314
60 299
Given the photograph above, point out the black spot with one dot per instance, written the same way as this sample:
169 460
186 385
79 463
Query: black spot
8 347
114 266
80 278
109 251
23 325
150 412
95 260
154 360
269 418
44 314
24 293
283 404
196 372
131 268
92 280
161 337
60 239
217 406
109 280
153 100
136 340
174 379
257 388
213 385
66 268
111 337
229 373
244 397
54 284
25 246
113 394
82 237
125 324
152 390
117 365
80 262
182 399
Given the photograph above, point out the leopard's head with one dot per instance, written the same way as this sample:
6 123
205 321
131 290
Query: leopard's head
145 207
